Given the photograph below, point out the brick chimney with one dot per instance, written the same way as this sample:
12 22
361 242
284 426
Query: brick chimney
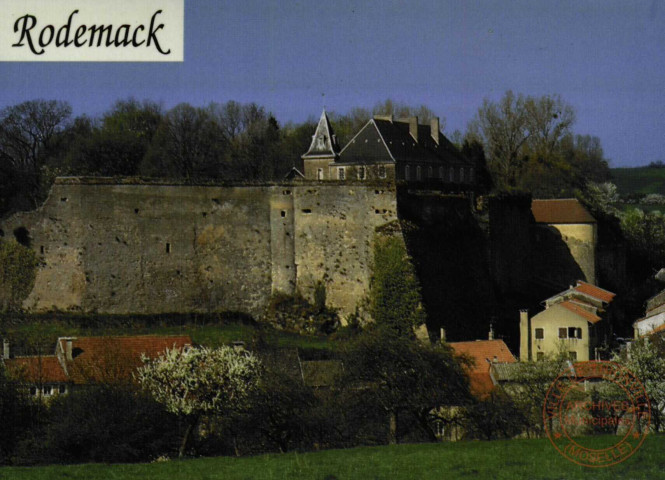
5 349
434 127
413 128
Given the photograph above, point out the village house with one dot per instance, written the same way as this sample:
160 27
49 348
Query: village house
569 323
654 317
80 361
388 148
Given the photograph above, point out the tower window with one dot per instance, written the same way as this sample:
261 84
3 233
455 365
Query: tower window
168 247
461 175
407 173
419 173
283 213
382 171
319 174
430 172
451 174
441 173
361 173
341 174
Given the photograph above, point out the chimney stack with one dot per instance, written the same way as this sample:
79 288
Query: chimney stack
5 349
525 336
434 127
413 128
491 334
68 349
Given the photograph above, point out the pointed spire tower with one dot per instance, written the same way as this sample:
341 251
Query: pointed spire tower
323 150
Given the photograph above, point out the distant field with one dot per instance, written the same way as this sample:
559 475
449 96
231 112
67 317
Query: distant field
498 460
639 180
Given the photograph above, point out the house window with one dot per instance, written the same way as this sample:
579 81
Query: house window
572 355
430 172
451 174
419 173
441 173
563 332
407 173
47 390
33 391
341 174
540 334
319 174
461 175
62 389
574 332
471 174
382 171
540 355
361 173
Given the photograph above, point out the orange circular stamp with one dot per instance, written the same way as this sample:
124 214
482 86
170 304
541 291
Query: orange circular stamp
597 414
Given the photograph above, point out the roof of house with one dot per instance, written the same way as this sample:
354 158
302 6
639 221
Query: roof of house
579 310
594 291
390 141
484 353
110 359
564 210
36 369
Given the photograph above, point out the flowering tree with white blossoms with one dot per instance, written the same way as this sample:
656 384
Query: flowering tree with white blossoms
200 381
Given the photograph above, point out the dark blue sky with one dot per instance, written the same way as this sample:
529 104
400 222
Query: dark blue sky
603 57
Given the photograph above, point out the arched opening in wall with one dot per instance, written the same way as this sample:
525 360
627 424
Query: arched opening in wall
22 236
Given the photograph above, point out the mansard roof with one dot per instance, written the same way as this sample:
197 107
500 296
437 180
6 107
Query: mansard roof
324 142
386 140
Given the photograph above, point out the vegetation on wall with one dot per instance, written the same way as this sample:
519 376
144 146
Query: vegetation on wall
18 265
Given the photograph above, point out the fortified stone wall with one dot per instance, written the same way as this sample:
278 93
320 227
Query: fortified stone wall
112 247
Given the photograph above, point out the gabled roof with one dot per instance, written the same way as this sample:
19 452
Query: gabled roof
580 311
564 210
112 359
594 291
37 370
388 141
324 142
484 353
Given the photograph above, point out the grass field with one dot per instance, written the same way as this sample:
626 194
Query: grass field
640 180
509 459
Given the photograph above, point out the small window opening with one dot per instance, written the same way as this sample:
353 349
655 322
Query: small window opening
63 199
306 211
41 249
382 171
341 174
540 334
563 332
168 247
288 192
136 210
283 213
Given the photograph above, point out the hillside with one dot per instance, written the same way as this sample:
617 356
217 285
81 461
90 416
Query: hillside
639 180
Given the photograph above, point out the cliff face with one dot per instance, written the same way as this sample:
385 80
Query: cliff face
154 248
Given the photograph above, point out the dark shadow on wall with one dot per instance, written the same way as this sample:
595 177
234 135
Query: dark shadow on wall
553 262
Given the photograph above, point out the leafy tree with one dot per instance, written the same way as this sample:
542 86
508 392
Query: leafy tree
18 266
399 375
15 414
645 359
105 424
395 300
494 416
200 381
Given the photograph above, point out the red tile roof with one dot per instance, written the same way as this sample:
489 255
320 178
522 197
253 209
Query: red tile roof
580 311
38 370
114 359
594 291
565 210
483 352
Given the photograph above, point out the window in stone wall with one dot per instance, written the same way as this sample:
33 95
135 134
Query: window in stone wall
382 171
461 175
430 172
540 334
283 213
451 174
471 174
419 173
341 174
441 173
168 247
319 174
407 173
361 173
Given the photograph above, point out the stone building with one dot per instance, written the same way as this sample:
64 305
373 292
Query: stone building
393 149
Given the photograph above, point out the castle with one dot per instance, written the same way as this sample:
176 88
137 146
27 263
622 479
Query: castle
122 245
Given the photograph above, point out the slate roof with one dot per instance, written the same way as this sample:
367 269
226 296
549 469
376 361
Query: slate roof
110 359
562 211
324 141
386 141
484 353
38 370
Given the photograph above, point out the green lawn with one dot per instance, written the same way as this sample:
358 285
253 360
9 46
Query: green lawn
510 459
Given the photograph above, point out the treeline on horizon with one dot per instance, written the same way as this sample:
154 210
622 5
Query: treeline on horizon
519 143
